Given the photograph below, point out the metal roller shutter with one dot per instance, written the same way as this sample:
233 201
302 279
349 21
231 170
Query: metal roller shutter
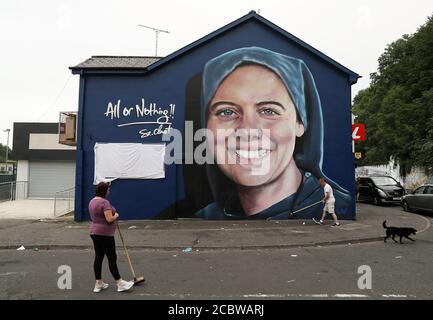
48 177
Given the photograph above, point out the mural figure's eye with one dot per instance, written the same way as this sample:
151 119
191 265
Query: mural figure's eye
226 114
269 112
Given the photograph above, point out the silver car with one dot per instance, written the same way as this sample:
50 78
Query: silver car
420 199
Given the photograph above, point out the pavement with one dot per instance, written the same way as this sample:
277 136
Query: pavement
29 209
181 234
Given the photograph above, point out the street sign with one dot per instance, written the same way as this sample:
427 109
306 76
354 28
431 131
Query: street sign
358 132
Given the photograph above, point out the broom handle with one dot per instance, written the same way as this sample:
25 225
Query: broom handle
126 250
307 206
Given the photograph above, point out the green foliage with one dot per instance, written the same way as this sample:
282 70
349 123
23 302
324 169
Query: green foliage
3 153
397 108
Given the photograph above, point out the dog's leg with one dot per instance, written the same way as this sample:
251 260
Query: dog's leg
401 237
393 238
410 238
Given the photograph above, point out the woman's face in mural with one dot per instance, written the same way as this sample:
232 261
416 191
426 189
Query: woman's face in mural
253 97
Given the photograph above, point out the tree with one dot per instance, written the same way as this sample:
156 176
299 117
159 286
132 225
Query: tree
397 108
3 153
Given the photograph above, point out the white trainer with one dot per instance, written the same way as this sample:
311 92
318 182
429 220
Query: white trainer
124 285
99 288
320 222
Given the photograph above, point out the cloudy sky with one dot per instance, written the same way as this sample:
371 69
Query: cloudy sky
41 39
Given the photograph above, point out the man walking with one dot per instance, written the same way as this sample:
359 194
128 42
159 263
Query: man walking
329 202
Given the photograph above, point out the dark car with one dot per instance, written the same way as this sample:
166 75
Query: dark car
420 199
380 189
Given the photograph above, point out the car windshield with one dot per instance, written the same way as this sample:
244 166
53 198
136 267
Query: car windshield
384 181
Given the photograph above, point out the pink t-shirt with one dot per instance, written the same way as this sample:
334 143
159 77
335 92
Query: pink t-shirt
99 225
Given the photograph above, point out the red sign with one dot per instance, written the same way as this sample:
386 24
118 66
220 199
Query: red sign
358 132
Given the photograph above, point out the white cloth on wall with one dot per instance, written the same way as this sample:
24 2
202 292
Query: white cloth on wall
128 161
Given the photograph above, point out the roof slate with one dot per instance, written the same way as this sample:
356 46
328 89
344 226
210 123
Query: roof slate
114 62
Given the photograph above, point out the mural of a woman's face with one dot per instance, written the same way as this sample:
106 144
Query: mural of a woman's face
254 97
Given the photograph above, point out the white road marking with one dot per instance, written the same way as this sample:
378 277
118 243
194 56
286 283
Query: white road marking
343 295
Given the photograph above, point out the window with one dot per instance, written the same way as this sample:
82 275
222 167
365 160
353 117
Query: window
363 182
428 190
384 181
420 190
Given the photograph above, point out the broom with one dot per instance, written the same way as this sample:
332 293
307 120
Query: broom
306 207
136 280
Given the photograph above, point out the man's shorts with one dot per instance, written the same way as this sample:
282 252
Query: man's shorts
329 207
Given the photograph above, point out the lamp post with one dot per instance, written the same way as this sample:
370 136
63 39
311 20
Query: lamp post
7 146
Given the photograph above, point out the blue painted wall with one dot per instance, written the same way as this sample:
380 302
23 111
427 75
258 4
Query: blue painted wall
144 199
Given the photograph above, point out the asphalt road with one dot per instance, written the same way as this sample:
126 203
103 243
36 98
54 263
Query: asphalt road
328 272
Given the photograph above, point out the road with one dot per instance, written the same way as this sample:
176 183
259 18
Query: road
327 272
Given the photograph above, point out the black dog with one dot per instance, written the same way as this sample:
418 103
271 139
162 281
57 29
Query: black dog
400 232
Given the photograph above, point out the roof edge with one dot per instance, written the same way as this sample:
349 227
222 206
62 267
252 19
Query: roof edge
117 56
78 69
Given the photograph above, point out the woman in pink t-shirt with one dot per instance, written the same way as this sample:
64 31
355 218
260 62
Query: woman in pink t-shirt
102 229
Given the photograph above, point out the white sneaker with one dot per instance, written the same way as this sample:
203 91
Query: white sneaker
124 285
99 288
320 222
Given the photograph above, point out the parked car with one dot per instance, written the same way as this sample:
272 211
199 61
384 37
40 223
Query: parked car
380 189
420 199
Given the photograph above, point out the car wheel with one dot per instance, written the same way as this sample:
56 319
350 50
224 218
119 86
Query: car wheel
377 201
406 207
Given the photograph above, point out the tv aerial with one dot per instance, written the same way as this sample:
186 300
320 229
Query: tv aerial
157 32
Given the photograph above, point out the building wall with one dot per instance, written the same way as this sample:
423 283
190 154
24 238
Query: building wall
47 141
415 178
22 179
176 83
6 168
39 141
23 170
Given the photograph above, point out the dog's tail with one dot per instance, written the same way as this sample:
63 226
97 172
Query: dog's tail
384 225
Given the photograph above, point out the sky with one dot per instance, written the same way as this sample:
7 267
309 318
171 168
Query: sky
40 40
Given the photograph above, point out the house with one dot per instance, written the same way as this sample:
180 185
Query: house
44 166
137 100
